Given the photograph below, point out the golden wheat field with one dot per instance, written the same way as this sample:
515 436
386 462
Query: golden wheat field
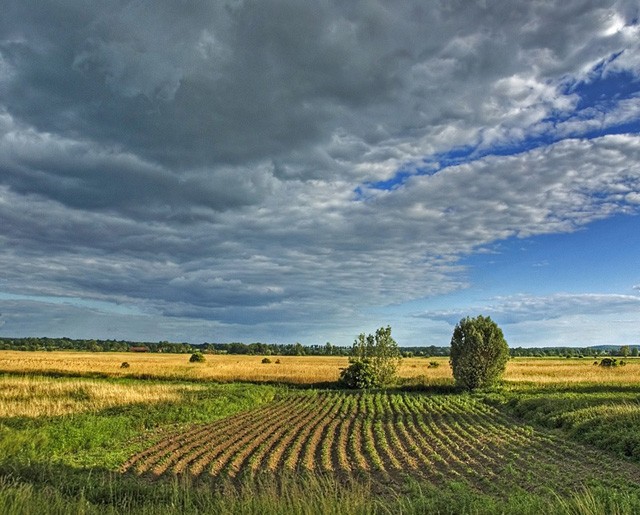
38 396
295 369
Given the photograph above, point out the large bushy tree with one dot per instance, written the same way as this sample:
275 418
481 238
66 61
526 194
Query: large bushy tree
479 352
374 361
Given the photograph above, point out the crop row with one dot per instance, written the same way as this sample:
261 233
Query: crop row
385 436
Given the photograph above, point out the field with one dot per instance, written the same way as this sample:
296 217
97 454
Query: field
78 434
302 370
386 437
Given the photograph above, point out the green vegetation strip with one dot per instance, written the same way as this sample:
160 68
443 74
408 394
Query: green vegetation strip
106 438
207 450
605 416
459 439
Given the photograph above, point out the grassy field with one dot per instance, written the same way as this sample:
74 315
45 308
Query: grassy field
560 436
302 370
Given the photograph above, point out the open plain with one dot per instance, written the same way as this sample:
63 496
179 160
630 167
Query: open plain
298 370
80 434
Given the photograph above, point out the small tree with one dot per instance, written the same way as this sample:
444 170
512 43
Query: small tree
359 375
479 352
374 357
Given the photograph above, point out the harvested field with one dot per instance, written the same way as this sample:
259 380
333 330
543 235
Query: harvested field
383 436
300 370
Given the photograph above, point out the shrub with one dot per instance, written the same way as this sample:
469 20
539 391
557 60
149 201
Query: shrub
266 360
608 362
124 365
479 352
374 361
197 357
278 361
433 364
359 375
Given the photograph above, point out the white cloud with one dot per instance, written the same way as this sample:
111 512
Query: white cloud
562 319
202 164
308 249
526 308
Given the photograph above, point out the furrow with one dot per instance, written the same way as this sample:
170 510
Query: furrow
144 460
252 432
340 460
217 456
326 449
158 455
420 435
476 465
383 456
477 425
516 454
398 453
554 455
358 446
278 456
551 451
357 437
297 451
383 442
422 463
441 444
311 456
228 462
204 451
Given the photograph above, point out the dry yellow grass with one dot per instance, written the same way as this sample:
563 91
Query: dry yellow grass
295 370
538 370
555 371
43 396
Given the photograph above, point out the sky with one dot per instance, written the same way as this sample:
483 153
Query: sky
282 171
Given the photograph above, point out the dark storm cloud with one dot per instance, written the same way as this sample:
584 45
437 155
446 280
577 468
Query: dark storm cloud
189 84
84 176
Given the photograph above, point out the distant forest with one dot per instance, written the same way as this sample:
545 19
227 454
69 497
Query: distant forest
278 349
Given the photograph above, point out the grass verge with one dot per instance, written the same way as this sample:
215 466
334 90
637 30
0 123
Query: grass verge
603 415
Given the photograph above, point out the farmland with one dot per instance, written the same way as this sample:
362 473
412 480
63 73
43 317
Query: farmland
79 434
294 370
386 436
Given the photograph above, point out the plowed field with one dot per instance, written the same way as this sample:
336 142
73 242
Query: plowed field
384 436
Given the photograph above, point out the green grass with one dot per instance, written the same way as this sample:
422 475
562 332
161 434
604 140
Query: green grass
106 438
312 495
68 464
607 417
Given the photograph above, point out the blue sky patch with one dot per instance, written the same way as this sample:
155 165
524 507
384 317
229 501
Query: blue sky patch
603 91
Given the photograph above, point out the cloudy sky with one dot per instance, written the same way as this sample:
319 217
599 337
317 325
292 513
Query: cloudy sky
281 171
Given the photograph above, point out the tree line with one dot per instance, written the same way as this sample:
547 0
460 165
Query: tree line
279 349
257 348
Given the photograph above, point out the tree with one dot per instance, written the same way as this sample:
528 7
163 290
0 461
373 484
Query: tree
359 375
375 357
479 352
